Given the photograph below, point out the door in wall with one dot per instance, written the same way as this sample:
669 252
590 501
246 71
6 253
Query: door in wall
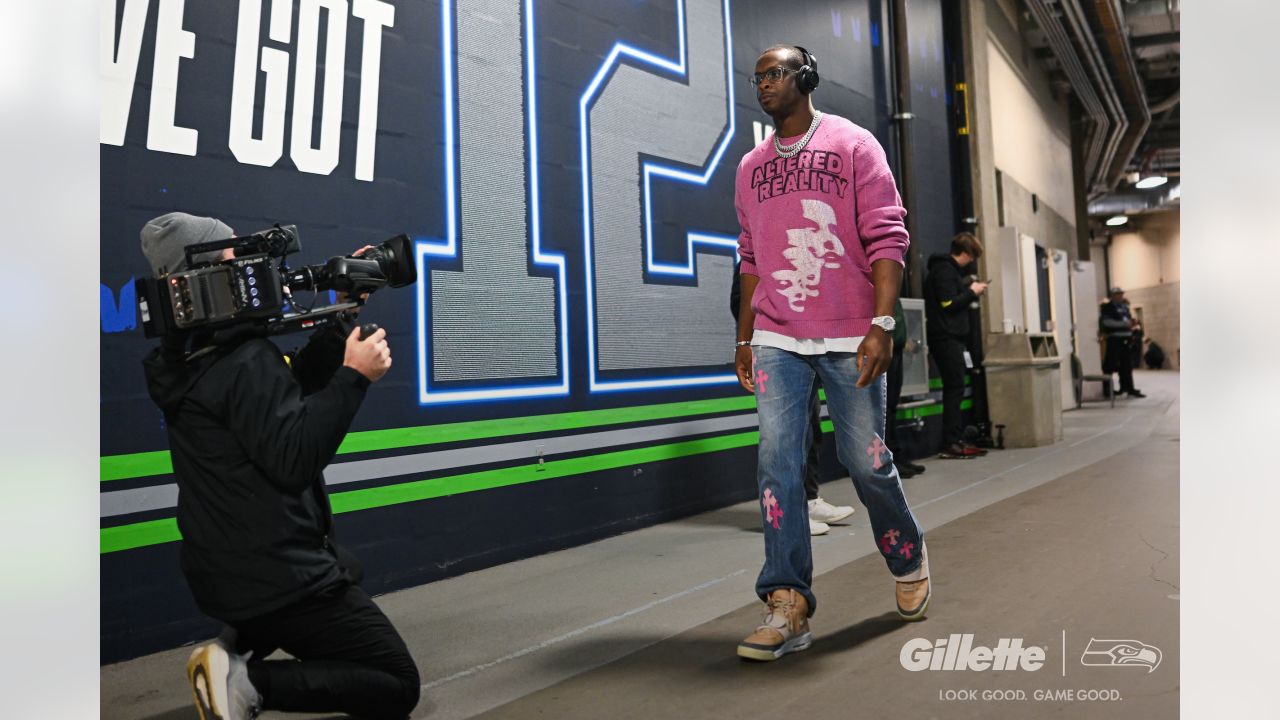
1030 270
1063 319
1084 284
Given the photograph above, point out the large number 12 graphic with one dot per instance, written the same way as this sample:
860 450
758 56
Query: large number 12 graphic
498 326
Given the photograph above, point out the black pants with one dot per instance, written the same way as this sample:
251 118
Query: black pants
813 459
948 355
893 393
1119 360
350 658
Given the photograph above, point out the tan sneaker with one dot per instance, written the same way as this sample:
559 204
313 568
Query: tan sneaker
913 599
785 628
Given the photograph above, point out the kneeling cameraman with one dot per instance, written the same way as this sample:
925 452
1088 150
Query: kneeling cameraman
250 432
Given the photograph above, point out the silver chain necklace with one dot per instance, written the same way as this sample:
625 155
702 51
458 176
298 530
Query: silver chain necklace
786 151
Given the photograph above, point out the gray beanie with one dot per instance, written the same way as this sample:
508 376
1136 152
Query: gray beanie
165 239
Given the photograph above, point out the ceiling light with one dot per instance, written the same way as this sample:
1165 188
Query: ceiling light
1151 181
1118 220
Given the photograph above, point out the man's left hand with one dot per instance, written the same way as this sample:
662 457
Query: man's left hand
874 355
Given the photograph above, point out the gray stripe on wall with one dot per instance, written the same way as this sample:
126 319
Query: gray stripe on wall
159 497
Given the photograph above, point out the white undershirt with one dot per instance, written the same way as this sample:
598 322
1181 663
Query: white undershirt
806 346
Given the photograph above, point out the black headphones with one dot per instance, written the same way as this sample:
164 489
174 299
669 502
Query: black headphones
807 76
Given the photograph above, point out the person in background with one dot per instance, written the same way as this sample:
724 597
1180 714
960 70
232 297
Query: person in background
1154 355
946 302
1118 325
906 468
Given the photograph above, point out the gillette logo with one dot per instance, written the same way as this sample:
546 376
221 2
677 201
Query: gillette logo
959 653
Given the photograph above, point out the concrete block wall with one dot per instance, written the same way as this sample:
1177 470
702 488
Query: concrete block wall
1160 311
1145 261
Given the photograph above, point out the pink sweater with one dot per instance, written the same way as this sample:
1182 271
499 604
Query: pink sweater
812 224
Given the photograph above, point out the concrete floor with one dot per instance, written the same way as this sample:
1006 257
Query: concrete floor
1055 545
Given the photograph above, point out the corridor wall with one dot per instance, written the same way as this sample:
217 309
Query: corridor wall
566 171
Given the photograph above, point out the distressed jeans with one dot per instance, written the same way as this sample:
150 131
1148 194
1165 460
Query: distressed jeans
784 381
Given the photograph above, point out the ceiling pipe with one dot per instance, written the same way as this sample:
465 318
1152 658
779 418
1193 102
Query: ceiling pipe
1156 40
1064 50
1163 149
1167 103
1111 25
1097 65
1153 7
1105 78
1134 203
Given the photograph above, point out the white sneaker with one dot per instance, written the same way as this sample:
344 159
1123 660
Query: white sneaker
822 511
818 528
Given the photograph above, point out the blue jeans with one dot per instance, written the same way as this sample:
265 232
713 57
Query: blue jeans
784 381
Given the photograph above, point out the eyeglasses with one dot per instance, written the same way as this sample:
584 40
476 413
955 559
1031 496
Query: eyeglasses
773 75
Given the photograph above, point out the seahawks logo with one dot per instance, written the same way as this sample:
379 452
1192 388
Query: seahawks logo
1111 653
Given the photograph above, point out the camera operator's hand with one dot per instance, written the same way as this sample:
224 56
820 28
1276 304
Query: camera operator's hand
370 357
341 297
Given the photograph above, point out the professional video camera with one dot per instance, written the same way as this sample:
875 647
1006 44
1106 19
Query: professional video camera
257 285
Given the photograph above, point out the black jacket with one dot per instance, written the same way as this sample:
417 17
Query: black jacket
946 299
1114 319
250 434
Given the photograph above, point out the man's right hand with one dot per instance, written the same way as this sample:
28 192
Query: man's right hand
978 288
370 357
743 360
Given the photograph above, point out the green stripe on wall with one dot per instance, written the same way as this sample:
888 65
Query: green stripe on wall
154 532
487 479
482 429
936 383
145 464
120 467
127 537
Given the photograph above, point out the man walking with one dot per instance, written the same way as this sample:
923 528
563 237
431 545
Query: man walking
822 248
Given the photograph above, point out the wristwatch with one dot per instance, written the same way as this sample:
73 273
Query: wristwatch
884 322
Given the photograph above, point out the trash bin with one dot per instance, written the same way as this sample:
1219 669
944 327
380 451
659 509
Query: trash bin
1024 391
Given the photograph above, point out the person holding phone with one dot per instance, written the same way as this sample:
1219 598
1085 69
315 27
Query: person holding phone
947 298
